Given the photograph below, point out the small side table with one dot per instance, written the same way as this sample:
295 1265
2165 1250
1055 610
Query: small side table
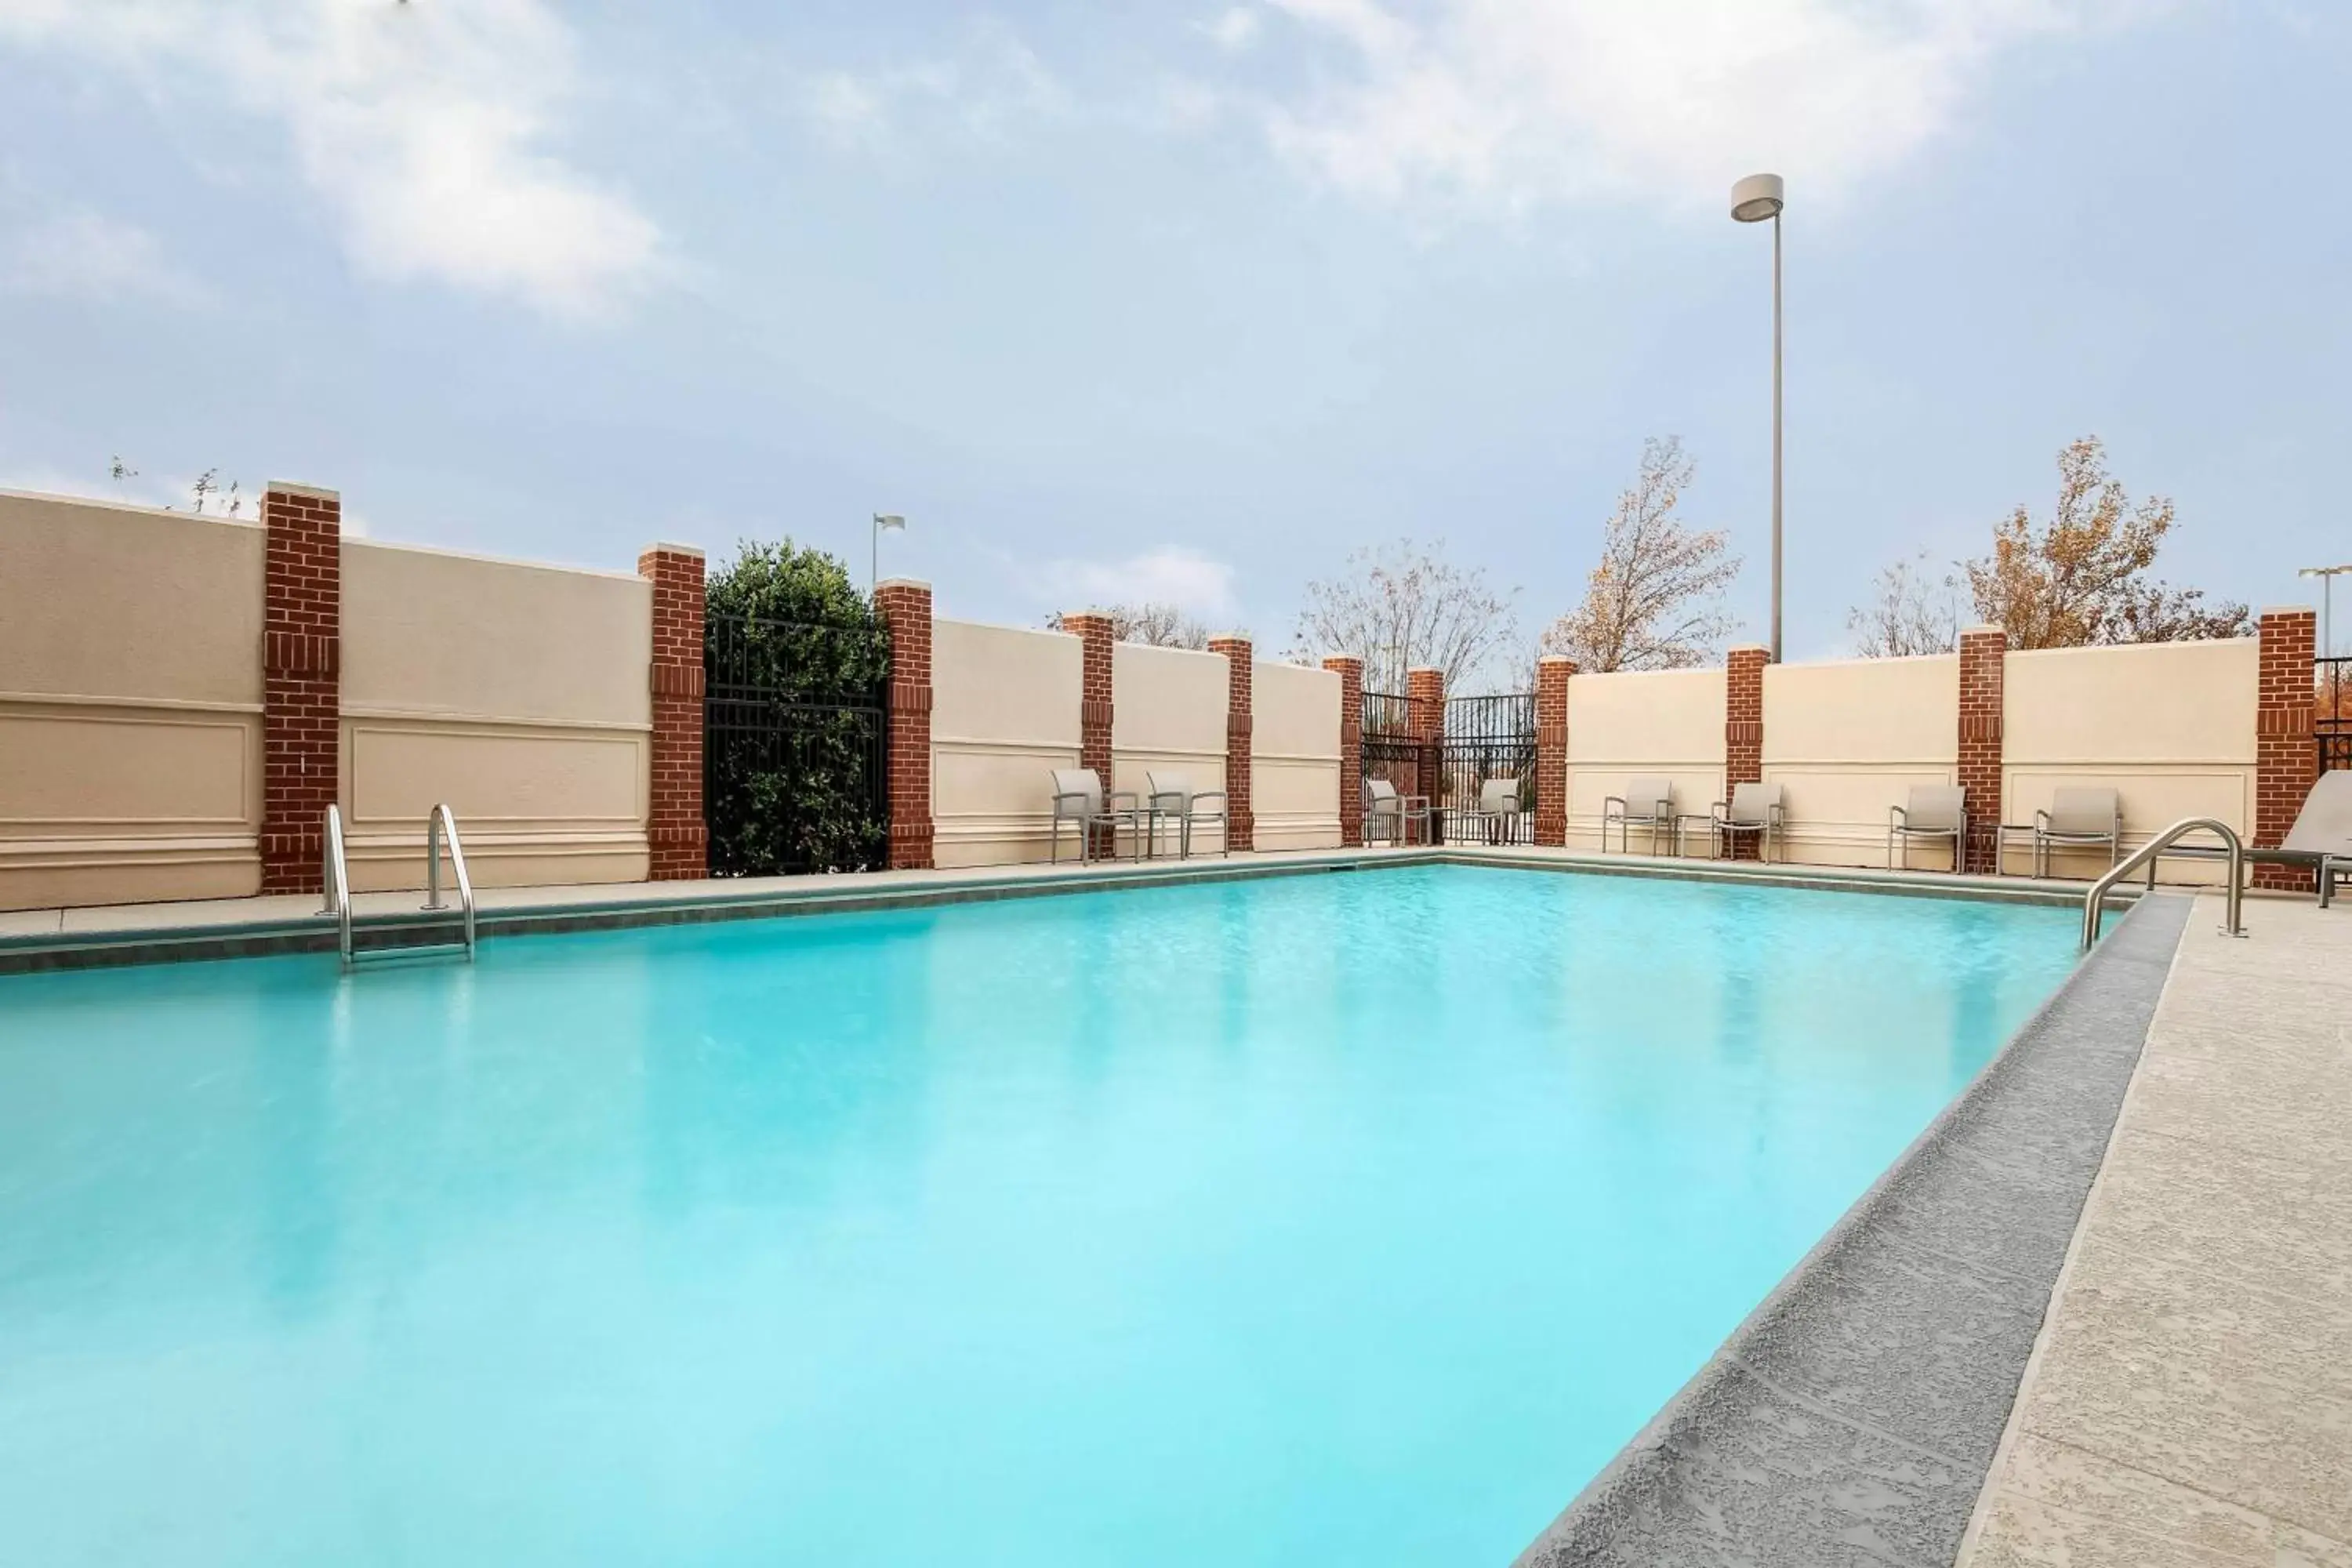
1706 817
2000 844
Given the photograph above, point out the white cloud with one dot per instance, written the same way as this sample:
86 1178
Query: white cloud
1506 103
89 256
426 127
1168 575
991 87
1236 28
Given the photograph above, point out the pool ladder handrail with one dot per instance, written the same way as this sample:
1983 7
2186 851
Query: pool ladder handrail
2145 855
335 876
442 821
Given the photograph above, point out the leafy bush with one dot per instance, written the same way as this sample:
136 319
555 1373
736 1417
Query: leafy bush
795 766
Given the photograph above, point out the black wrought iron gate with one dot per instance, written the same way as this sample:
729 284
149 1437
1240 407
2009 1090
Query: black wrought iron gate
1450 763
796 746
2333 727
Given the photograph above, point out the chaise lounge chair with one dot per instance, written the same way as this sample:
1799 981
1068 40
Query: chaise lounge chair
1935 811
2321 838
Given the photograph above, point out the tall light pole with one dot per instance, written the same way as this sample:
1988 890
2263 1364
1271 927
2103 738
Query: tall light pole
2328 575
883 523
1754 199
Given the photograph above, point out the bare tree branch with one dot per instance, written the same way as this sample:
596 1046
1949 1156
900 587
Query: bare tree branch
1153 622
1656 601
1402 607
1912 611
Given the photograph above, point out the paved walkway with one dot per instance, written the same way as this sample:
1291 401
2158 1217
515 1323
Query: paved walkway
2190 1402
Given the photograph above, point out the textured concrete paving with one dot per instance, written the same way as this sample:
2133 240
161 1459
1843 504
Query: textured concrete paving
2190 1398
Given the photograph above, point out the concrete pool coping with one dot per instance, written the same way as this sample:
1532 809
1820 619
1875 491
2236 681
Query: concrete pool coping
291 923
1854 1416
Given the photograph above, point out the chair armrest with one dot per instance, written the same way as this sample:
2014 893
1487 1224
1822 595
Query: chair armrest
1062 796
1720 811
1777 814
1898 816
1216 794
2040 822
1616 800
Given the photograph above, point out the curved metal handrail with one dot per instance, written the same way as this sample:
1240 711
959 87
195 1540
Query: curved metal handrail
335 876
443 820
2145 855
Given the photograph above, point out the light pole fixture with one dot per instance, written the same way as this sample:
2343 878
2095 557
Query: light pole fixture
1754 199
2326 575
883 523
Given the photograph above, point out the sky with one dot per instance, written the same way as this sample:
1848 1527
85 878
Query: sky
1116 301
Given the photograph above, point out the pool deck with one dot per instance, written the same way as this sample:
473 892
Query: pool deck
2189 1400
291 923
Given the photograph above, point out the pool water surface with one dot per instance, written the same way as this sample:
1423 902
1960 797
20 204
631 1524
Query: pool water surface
1320 1218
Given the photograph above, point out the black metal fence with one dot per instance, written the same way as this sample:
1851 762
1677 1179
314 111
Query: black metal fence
1484 738
1488 738
796 746
2333 727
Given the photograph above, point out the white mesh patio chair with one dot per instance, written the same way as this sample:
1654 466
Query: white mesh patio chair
1171 796
1078 798
1935 810
1646 803
1498 812
2079 817
1387 813
1754 809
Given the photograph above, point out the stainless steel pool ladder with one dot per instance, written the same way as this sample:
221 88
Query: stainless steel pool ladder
2147 855
439 824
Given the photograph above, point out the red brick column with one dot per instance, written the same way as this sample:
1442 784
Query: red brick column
301 672
1350 672
1094 639
1241 822
906 609
2286 761
1552 672
1743 729
1983 652
675 835
1424 692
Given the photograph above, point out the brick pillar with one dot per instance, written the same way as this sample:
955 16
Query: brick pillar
1240 821
906 607
1094 639
1743 729
1552 672
2286 759
1983 652
1350 672
675 835
302 670
1424 692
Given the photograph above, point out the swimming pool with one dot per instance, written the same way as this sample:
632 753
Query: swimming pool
1322 1217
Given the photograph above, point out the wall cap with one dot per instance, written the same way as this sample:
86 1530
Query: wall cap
1988 628
288 487
2267 611
1557 659
904 582
671 547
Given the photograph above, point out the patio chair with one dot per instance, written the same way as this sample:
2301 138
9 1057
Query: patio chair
2321 838
2079 817
1753 808
1498 813
1382 805
1172 795
1078 798
1935 811
1646 803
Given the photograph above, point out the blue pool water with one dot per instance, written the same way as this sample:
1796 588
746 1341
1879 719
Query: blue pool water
1335 1218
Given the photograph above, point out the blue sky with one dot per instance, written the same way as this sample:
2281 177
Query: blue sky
1118 299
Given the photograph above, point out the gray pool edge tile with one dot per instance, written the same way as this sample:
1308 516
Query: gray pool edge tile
1682 1494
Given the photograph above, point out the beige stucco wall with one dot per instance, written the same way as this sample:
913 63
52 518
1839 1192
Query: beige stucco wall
1846 741
1168 715
130 704
1004 713
1666 723
517 693
2169 725
1295 756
